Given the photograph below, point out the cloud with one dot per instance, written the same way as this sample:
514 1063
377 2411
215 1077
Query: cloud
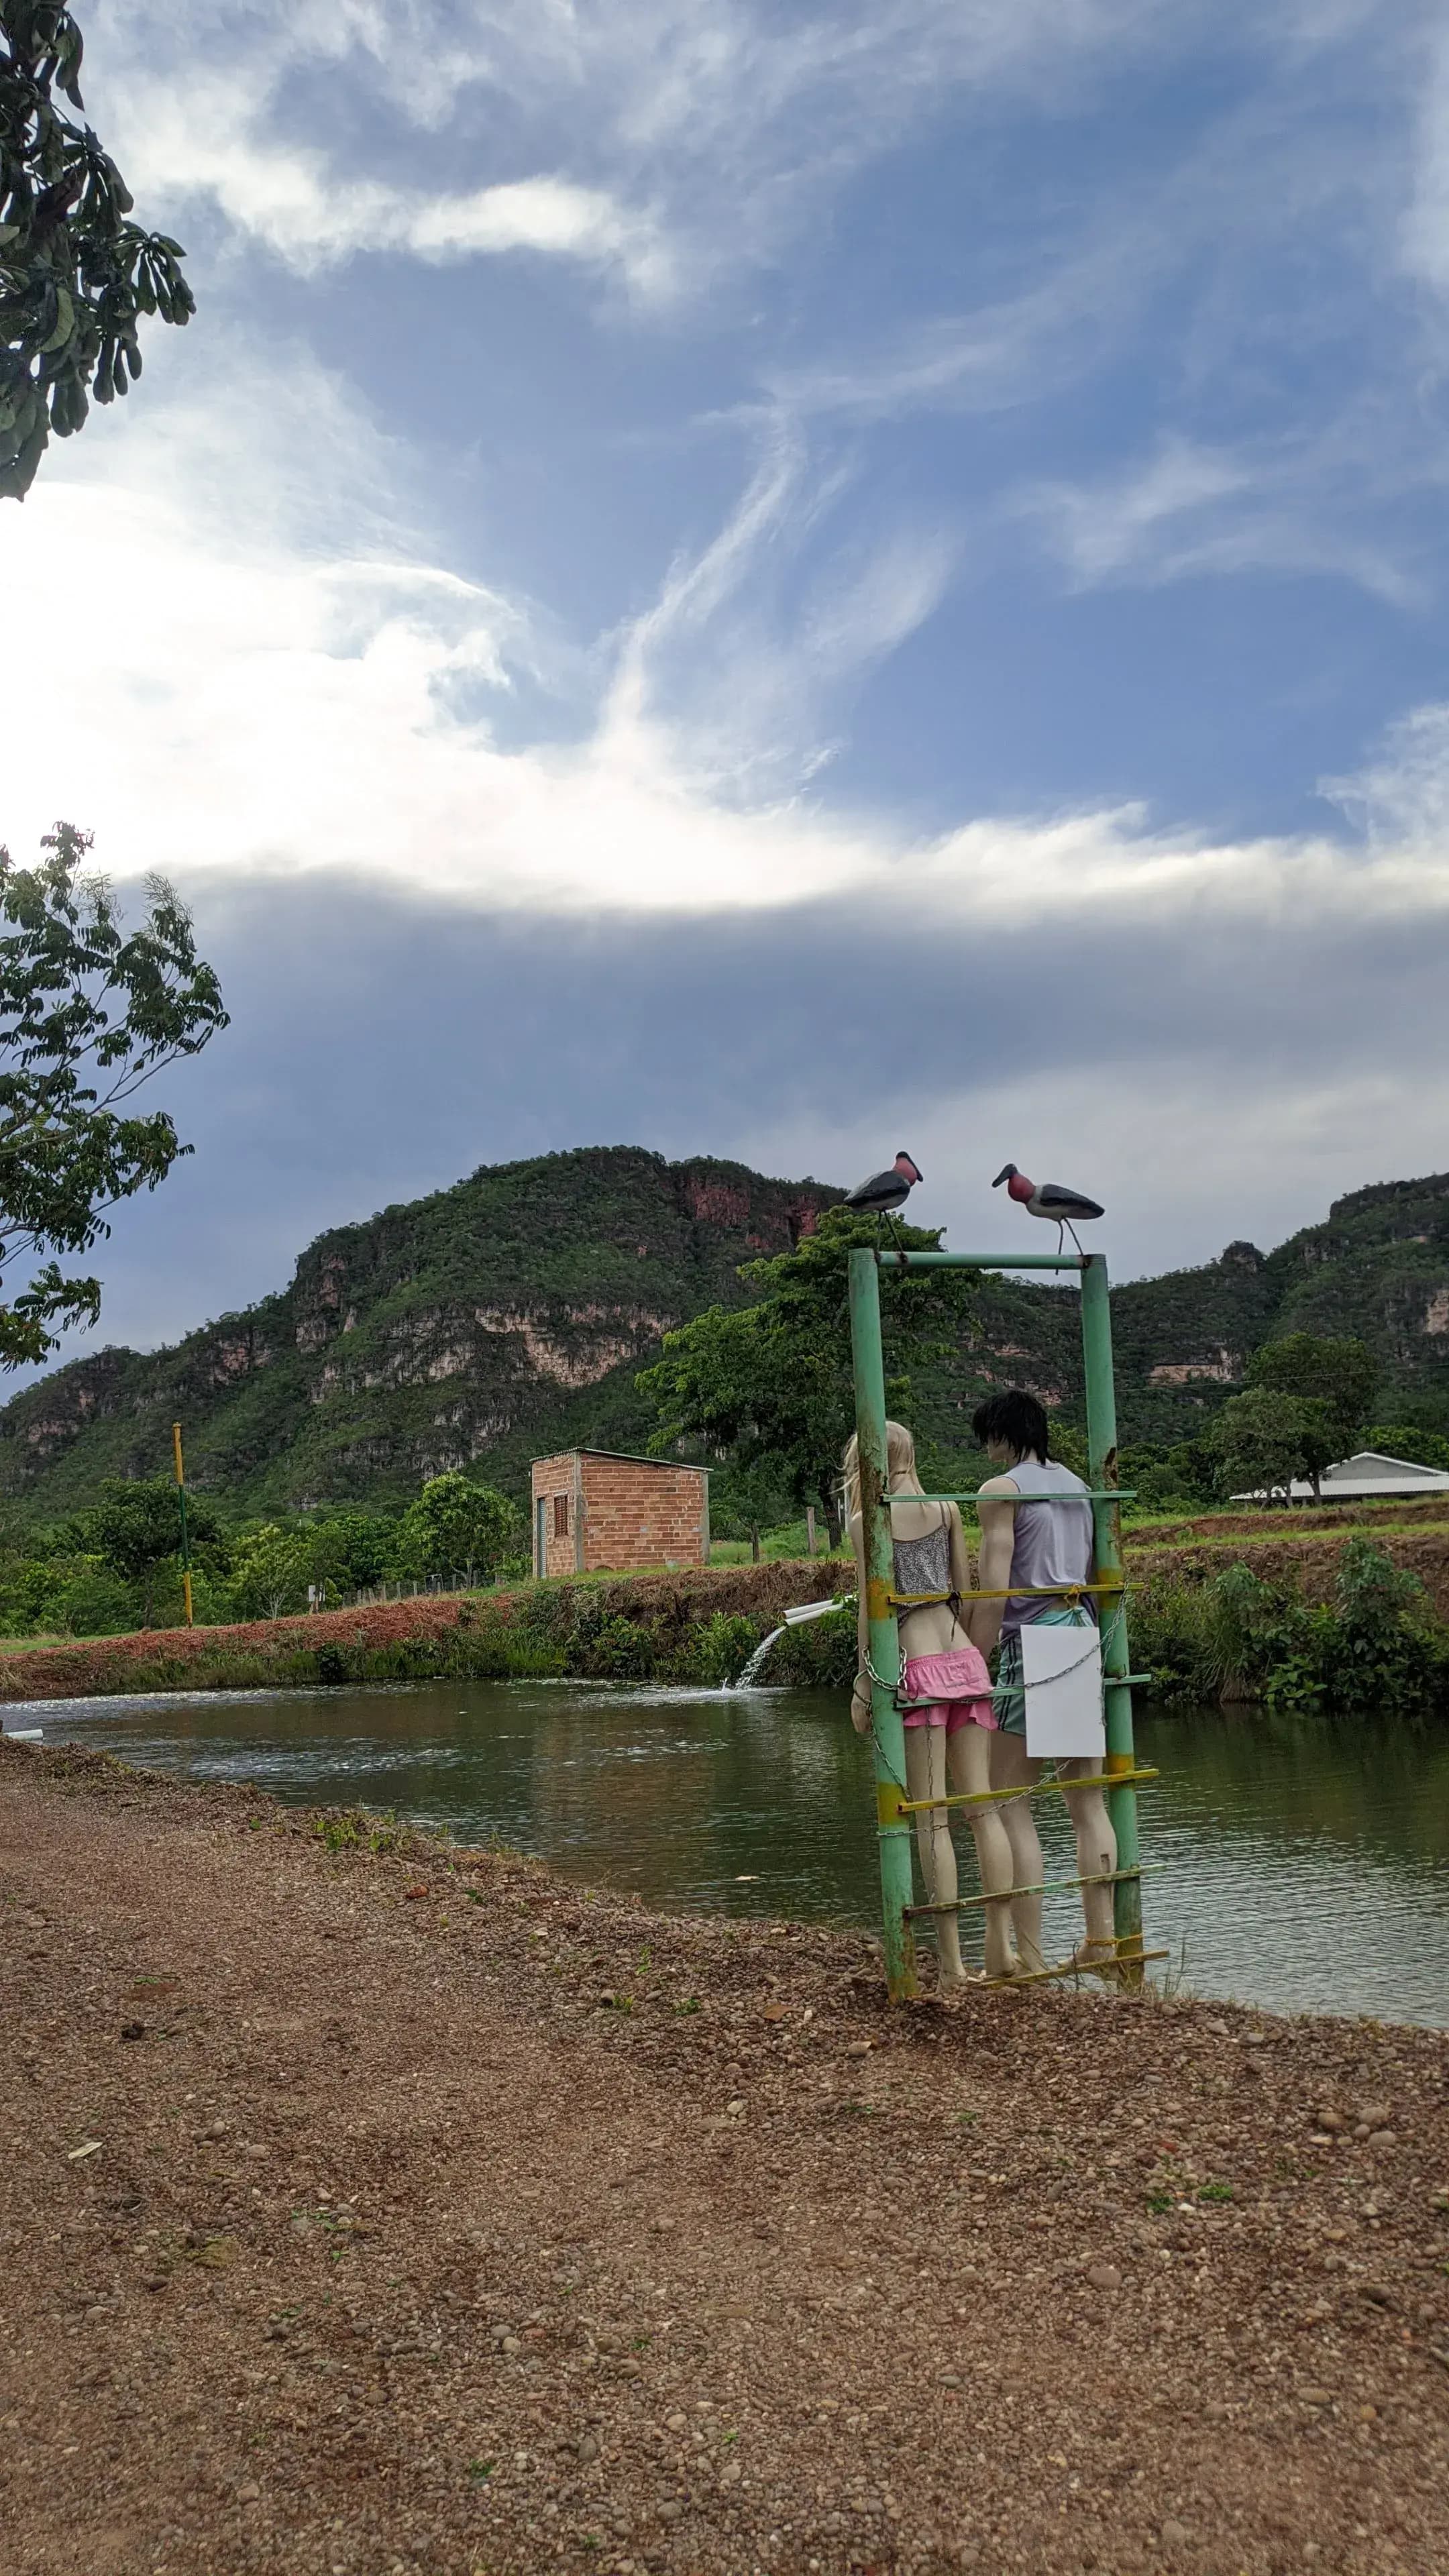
663 140
214 140
1191 511
280 676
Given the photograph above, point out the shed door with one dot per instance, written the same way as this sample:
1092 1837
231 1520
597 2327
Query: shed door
540 1541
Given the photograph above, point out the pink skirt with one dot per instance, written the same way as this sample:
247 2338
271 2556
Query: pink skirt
952 1690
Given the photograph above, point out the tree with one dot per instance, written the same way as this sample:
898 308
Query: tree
769 1386
1401 1440
1341 1374
455 1525
1263 1440
270 1571
88 1012
135 1528
75 274
350 1550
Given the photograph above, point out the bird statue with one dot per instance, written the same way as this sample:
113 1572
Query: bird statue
1048 1199
885 1191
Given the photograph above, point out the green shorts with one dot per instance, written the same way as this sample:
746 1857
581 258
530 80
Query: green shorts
1008 1700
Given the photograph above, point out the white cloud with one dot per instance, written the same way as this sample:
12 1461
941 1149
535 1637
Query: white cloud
277 673
1192 510
667 140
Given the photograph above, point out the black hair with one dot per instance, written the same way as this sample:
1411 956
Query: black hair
1016 1418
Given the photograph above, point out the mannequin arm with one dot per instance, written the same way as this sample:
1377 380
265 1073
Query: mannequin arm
860 1695
960 1569
998 1542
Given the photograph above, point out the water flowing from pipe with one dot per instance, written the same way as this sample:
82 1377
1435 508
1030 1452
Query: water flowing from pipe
756 1664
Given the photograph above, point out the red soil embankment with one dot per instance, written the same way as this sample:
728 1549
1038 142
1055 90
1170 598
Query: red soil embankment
1309 1566
74 1672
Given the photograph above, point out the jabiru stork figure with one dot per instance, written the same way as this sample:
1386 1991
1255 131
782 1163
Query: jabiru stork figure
1065 1209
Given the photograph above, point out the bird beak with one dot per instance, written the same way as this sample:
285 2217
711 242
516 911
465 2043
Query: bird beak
1006 1173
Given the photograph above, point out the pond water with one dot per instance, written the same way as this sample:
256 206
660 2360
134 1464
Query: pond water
1301 1864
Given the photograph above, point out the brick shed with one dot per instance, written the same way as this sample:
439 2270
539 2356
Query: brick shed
593 1510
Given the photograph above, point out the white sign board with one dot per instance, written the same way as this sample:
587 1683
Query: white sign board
1062 1670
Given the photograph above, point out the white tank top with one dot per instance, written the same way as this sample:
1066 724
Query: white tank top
1053 1540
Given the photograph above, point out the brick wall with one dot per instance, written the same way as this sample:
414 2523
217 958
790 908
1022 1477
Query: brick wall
621 1513
558 1481
636 1515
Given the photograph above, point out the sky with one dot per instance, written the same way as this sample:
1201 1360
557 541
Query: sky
772 579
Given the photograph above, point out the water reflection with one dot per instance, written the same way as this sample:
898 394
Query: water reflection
1301 1864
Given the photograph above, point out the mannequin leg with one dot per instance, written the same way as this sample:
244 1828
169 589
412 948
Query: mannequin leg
926 1778
1010 1769
968 1768
1096 1852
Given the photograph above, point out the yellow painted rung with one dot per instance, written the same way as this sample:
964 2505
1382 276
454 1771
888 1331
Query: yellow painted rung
1047 1887
1029 1789
1081 1968
1014 1592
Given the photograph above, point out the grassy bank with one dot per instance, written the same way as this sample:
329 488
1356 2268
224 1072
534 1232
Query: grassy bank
700 1626
1335 1616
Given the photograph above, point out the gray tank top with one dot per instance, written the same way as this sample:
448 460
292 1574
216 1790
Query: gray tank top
923 1564
1053 1540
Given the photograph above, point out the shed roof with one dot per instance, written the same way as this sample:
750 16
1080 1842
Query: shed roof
627 1458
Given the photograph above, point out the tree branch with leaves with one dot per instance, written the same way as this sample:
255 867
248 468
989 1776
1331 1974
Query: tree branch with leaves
89 1011
76 275
769 1387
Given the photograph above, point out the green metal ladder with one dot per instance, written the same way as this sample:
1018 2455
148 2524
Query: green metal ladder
894 1808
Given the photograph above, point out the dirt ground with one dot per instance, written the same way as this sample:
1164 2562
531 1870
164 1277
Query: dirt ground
366 2213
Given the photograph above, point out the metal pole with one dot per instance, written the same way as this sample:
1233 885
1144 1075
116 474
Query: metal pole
1116 1663
185 1535
893 1829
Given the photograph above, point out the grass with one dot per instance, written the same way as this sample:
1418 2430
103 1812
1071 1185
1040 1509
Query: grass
1278 1528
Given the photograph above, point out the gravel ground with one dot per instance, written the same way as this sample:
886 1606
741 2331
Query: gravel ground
366 2213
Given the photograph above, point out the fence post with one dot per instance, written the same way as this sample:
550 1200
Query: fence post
893 1830
1116 1661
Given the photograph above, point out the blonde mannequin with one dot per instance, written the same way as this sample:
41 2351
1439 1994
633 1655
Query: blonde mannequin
947 1726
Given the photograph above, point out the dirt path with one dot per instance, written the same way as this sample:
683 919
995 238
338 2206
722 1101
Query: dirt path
440 2217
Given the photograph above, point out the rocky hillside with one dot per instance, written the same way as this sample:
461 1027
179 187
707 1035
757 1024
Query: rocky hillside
506 1317
479 1328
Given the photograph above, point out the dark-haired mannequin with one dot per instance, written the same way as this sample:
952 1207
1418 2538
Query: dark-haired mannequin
1021 1545
948 1717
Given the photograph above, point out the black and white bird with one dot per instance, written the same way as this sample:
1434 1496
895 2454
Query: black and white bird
1061 1207
885 1191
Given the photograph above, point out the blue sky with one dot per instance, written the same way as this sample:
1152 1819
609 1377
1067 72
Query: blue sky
771 579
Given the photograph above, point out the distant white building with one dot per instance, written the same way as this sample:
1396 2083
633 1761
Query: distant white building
1369 1472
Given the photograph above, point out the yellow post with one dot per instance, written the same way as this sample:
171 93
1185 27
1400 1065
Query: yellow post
185 1539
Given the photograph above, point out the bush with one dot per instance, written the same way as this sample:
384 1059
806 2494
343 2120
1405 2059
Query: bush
722 1648
1239 1638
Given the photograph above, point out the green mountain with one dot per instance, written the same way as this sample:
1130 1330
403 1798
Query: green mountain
506 1317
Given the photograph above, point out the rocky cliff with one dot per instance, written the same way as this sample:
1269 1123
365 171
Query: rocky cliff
506 1318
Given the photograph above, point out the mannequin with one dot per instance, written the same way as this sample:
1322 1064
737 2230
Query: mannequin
1037 1544
948 1726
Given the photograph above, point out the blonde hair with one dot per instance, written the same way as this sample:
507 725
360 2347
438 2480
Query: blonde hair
900 1461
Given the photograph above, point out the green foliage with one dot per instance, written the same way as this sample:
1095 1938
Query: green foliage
88 1012
76 274
1263 1439
1339 1373
135 1528
1167 1478
270 1573
455 1524
723 1647
1402 1440
768 1388
1238 1637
